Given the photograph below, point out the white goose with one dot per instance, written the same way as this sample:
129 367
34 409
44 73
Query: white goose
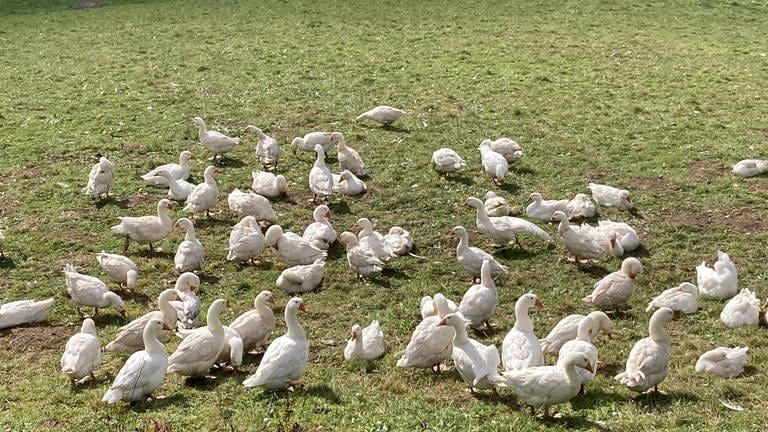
267 184
610 196
144 371
320 178
503 229
119 269
179 171
399 240
199 350
430 343
577 240
349 158
291 249
348 184
581 206
100 178
146 229
648 362
373 240
471 258
521 348
383 114
477 364
428 305
251 204
479 302
204 196
682 298
494 163
742 310
246 241
365 343
725 362
542 209
90 291
625 234
23 312
215 141
719 282
302 278
178 190
190 253
613 291
187 304
286 357
582 344
750 167
130 338
310 140
82 353
362 260
495 205
256 325
567 328
447 161
267 149
320 232
506 147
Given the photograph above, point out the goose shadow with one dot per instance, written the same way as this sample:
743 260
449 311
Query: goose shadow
155 253
488 332
641 251
391 128
510 188
176 399
595 397
94 383
523 170
137 297
749 371
508 399
110 319
656 401
459 178
396 273
204 383
225 161
594 271
339 207
635 213
571 422
325 392
516 253
6 262
212 222
208 278
103 202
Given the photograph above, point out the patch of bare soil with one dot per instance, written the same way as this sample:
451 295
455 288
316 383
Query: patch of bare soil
739 223
707 170
36 337
140 198
758 187
654 183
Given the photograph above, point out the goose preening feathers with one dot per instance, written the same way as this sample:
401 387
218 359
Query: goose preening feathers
610 196
446 161
100 178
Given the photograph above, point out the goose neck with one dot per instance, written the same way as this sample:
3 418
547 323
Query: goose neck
523 321
461 336
295 331
151 344
214 323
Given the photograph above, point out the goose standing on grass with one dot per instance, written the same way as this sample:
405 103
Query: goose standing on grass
146 229
742 310
286 357
610 196
430 343
82 353
320 178
310 140
267 149
503 229
119 269
613 291
348 184
567 329
199 350
130 338
365 343
542 209
511 150
179 171
682 298
290 248
399 240
471 258
580 207
256 325
578 241
267 184
188 303
477 364
750 167
23 312
362 260
302 278
90 291
178 190
215 141
648 362
100 179
494 163
246 242
479 302
204 196
320 232
447 161
190 253
373 240
249 203
495 205
349 158
144 371
383 114
725 362
521 348
719 282
428 305
582 344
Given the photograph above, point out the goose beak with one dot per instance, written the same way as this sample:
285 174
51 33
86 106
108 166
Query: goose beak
352 336
271 300
538 304
178 298
123 313
589 368
530 200
274 246
302 308
165 327
192 157
442 322
610 335
629 199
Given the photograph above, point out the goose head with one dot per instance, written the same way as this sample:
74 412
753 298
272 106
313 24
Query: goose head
348 239
295 304
535 197
631 267
356 333
296 143
453 320
187 281
273 235
186 156
264 297
281 183
199 122
168 295
321 213
474 202
208 174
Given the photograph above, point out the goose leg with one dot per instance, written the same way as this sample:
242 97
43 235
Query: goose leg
546 411
125 247
533 411
95 312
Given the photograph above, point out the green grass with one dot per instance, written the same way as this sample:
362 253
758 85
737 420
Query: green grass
658 97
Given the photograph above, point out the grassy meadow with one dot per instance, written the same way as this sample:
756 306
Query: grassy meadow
658 97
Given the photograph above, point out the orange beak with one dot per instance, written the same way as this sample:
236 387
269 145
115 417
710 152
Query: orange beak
353 336
442 322
165 327
302 308
538 304
589 368
271 299
123 313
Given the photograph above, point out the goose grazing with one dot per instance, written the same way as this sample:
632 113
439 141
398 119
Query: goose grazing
750 167
144 371
190 253
613 291
251 204
578 240
246 241
302 278
131 336
365 343
479 302
625 235
503 229
320 232
255 326
373 240
580 207
146 229
718 282
477 364
495 205
348 184
188 303
320 178
682 298
742 310
429 308
471 258
648 362
119 269
506 147
430 342
214 141
267 184
178 171
178 190
726 362
82 353
286 357
567 329
23 312
349 158
100 179
291 249
267 149
90 291
204 196
521 348
310 140
447 161
542 209
610 196
362 260
399 240
199 350
494 163
582 344
547 385
383 114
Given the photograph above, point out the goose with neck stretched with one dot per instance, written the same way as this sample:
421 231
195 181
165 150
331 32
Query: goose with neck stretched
503 229
214 141
82 353
477 364
308 142
320 178
471 258
521 348
648 361
146 229
256 325
291 248
383 114
349 158
179 171
199 350
87 290
479 302
286 357
119 269
268 151
204 196
130 338
190 253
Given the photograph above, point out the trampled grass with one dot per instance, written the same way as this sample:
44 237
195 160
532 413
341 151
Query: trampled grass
657 97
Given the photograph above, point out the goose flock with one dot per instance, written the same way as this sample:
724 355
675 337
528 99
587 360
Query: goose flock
520 366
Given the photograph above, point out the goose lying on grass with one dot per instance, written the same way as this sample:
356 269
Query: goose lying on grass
365 343
23 312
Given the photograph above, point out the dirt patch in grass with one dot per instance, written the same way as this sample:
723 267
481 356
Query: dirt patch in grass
739 223
140 198
707 170
754 187
36 337
648 183
8 207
